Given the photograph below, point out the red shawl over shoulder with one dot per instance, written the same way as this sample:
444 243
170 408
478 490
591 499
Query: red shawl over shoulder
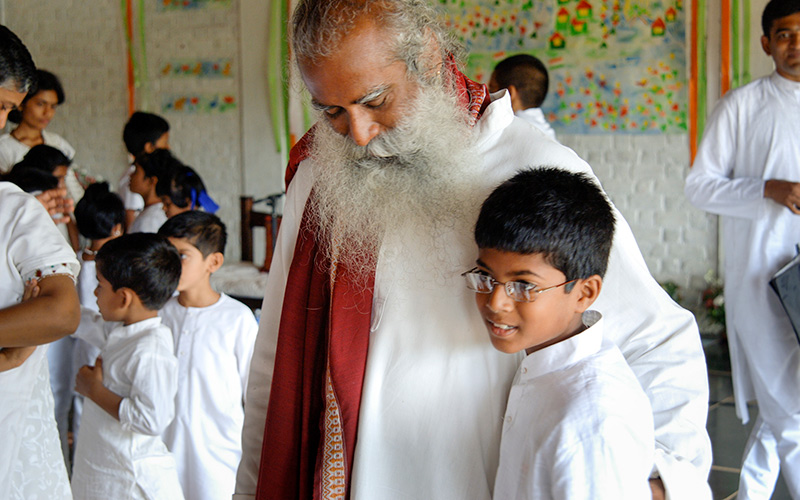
321 357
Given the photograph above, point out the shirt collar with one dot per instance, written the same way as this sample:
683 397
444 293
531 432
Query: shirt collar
137 327
567 352
784 84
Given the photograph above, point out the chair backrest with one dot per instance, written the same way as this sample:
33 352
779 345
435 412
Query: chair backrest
267 219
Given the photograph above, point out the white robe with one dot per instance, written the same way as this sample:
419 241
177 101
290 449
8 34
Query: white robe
435 390
149 220
577 426
126 458
214 346
535 116
31 463
751 137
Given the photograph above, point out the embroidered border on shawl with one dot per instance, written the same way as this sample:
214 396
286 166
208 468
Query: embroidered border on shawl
334 482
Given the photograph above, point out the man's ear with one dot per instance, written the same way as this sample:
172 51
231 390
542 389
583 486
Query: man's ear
430 62
149 147
765 45
588 290
214 262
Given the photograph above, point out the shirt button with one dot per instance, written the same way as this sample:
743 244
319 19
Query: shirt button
524 370
508 419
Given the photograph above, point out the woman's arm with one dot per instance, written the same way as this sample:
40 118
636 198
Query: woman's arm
55 313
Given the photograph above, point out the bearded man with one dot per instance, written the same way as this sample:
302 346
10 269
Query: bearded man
372 376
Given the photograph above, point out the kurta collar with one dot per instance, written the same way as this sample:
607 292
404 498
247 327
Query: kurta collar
567 352
140 326
784 84
494 120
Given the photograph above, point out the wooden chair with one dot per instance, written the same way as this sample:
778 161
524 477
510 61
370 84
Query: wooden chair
253 218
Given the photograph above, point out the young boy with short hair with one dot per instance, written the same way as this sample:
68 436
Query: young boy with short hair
148 168
577 424
214 337
131 389
144 133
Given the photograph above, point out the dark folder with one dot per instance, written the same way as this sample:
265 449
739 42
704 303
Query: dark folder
786 284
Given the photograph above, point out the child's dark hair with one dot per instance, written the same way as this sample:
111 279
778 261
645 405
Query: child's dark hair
30 180
143 128
147 263
550 211
203 230
98 212
45 158
159 164
777 9
527 74
44 81
183 187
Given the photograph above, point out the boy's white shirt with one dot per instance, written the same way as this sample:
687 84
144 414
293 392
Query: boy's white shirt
214 346
131 200
114 458
577 424
149 220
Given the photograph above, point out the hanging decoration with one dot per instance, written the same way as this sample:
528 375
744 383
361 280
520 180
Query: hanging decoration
191 4
137 77
193 103
198 68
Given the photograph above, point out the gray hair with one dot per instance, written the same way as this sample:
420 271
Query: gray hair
17 71
318 27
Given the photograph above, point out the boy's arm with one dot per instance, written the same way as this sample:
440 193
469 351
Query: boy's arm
89 383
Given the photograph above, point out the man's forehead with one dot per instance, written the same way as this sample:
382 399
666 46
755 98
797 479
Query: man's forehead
11 97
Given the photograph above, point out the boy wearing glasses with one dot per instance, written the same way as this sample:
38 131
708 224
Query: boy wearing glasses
577 424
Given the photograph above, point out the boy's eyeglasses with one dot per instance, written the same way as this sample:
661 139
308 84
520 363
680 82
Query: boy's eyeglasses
520 291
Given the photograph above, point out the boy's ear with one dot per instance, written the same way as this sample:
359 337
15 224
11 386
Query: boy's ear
589 290
126 296
116 230
215 261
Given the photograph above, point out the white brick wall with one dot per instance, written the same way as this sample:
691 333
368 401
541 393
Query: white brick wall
644 176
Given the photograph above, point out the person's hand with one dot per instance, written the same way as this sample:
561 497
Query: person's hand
657 488
89 377
31 290
55 201
784 193
13 357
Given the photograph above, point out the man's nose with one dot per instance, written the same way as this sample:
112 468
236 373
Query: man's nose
362 128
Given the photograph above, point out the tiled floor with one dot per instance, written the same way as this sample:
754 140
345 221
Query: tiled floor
728 435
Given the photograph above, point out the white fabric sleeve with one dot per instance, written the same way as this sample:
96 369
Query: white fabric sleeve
710 185
260 379
245 345
93 329
150 407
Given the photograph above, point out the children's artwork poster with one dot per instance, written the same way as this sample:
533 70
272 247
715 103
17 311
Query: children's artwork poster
194 103
191 4
198 68
615 65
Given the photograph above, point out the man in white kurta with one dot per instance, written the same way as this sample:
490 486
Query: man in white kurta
577 424
31 462
750 143
126 458
214 346
434 391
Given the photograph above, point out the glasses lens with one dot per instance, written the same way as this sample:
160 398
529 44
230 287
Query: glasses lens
519 291
479 282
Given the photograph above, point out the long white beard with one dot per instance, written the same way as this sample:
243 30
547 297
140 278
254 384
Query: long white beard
414 182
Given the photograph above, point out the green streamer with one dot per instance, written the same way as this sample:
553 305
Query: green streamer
736 40
142 79
279 103
702 70
746 75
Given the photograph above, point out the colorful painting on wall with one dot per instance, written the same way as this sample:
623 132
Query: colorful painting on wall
198 103
217 68
615 65
191 4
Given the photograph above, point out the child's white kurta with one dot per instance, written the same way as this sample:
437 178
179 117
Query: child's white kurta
126 458
578 425
31 464
214 346
149 219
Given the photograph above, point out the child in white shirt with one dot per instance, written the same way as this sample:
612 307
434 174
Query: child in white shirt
131 389
578 424
150 167
214 338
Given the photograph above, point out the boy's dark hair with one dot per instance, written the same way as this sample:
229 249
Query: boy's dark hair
203 230
181 187
159 164
527 74
777 9
98 212
143 128
550 211
17 71
147 263
30 180
44 81
45 158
